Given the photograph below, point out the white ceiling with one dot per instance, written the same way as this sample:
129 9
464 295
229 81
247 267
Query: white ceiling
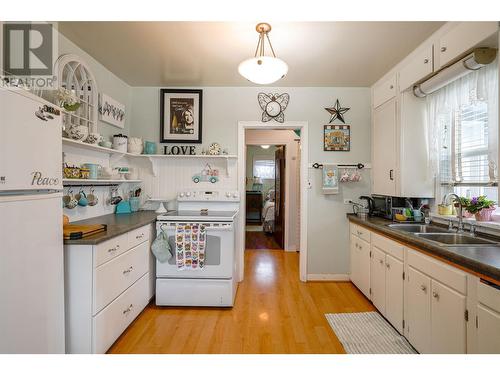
208 53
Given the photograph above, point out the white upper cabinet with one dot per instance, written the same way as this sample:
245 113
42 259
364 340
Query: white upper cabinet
384 149
460 38
384 91
417 68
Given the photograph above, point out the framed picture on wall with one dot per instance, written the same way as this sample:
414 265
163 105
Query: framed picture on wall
180 115
111 111
337 138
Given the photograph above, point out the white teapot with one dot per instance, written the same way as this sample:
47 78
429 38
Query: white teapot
135 145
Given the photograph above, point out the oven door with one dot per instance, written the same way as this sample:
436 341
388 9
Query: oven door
219 253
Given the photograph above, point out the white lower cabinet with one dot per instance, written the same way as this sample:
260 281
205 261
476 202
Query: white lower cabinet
436 309
448 324
487 322
360 263
106 287
418 310
377 278
394 291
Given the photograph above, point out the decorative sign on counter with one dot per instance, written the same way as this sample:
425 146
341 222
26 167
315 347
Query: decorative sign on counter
179 150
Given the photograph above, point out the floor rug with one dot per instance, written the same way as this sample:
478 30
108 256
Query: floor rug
368 333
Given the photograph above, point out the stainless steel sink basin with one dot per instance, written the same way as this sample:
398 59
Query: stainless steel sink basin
418 228
455 239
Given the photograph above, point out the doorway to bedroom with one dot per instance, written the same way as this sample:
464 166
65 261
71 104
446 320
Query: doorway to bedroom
272 190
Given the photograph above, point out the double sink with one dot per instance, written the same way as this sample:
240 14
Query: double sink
443 236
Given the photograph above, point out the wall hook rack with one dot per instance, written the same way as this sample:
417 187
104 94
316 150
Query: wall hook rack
358 165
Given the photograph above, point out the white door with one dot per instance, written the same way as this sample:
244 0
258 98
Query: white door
488 330
31 274
394 292
419 310
30 145
384 149
377 277
448 320
355 270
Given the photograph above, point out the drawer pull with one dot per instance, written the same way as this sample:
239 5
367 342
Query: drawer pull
356 246
391 87
138 237
381 261
388 265
128 270
423 287
359 233
435 295
128 309
426 61
443 49
113 249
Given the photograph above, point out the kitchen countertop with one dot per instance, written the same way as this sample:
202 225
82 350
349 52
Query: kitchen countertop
116 225
484 260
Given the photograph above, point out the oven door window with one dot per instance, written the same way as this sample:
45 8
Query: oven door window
212 251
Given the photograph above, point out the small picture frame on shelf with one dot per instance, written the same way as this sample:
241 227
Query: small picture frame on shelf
337 138
181 115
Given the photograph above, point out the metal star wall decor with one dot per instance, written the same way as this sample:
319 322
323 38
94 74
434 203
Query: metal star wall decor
337 112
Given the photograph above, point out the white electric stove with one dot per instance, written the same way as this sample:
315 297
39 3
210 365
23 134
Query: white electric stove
214 284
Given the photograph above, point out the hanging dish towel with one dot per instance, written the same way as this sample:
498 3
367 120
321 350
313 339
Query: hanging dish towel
330 179
190 243
161 248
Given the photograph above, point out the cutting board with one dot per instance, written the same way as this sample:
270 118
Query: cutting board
76 232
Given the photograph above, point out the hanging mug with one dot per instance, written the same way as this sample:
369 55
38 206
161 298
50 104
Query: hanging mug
92 198
69 200
345 176
82 200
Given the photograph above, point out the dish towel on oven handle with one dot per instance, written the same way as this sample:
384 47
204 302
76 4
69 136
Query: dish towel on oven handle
190 244
161 248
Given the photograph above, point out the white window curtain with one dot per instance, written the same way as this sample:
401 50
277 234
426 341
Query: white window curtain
462 129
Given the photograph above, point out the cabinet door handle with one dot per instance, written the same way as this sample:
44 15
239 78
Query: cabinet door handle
391 87
381 261
128 270
391 174
443 49
423 287
426 61
388 265
435 295
128 309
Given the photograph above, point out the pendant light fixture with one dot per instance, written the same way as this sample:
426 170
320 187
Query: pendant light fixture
262 69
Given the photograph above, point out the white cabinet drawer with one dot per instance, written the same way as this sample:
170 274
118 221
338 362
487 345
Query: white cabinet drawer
384 91
361 232
108 325
137 236
448 275
418 67
114 277
489 295
110 249
388 246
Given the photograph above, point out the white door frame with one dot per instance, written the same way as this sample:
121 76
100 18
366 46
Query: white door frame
304 155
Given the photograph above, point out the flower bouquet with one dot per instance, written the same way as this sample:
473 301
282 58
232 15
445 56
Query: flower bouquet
67 100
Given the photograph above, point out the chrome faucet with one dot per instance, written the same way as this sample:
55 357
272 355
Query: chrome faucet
460 227
408 201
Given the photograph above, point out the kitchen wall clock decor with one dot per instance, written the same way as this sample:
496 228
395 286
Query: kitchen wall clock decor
337 112
111 111
180 115
337 138
273 106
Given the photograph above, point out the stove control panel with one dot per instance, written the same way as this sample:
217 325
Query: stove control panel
208 195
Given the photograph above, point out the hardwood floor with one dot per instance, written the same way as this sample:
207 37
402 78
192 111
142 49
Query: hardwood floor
274 313
260 240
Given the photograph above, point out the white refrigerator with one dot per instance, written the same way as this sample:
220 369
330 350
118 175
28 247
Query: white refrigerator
31 239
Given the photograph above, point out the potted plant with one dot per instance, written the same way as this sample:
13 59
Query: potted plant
67 100
465 203
481 207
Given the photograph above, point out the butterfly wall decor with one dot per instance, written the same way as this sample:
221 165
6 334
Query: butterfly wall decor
273 106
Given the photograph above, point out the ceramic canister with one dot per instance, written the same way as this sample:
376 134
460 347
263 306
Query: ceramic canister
94 170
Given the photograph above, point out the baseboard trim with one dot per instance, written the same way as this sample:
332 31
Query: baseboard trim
293 248
328 277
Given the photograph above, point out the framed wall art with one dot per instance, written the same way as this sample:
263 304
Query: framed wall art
111 111
180 115
337 138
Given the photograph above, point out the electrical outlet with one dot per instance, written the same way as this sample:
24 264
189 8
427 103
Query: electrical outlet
347 201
